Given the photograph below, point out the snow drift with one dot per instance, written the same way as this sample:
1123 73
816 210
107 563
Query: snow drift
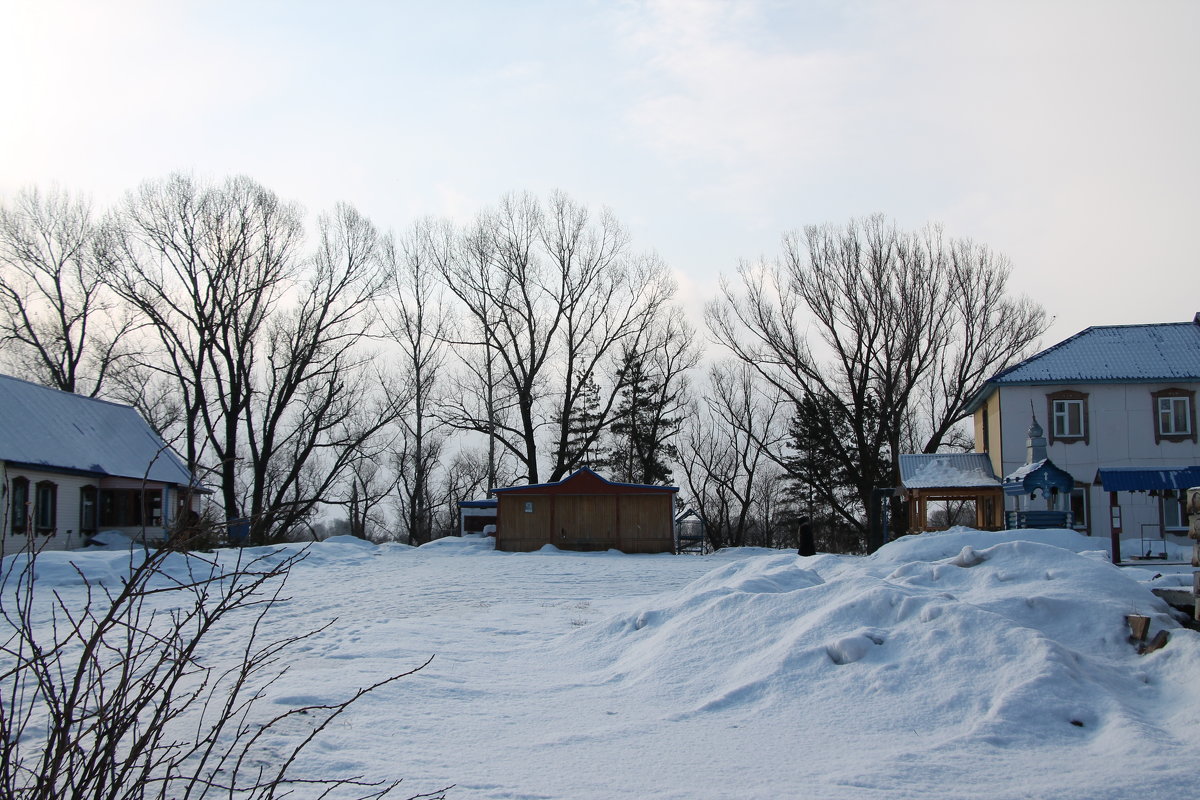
960 664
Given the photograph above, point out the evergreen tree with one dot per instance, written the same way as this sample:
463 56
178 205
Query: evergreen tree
826 456
584 425
643 424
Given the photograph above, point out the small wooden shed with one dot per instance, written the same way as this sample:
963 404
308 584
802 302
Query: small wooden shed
586 512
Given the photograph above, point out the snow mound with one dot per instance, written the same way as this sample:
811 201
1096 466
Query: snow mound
353 541
944 544
459 545
110 540
1015 643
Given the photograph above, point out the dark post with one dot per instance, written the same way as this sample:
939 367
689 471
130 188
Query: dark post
877 518
808 544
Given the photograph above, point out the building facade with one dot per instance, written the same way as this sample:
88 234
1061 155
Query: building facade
586 512
1118 404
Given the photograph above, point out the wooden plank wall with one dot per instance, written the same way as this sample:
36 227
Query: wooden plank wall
638 523
646 525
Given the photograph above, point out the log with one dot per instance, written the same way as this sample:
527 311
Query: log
1139 626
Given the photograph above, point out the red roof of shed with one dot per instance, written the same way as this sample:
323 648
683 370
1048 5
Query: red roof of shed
585 481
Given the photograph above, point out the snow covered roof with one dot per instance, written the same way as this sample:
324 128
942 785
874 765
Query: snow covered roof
40 426
1111 354
1043 474
946 471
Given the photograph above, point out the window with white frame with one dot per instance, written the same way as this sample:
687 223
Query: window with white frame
1067 418
1174 416
1173 514
1079 508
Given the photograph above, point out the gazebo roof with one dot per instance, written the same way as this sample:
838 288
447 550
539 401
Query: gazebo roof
947 471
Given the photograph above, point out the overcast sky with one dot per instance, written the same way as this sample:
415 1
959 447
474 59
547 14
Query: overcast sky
1065 135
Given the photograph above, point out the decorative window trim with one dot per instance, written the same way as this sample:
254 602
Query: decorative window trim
1067 395
1190 397
19 507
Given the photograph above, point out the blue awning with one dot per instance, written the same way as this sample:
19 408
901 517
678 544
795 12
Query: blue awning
1144 479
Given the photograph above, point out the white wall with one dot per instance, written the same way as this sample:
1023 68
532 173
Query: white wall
1120 434
66 535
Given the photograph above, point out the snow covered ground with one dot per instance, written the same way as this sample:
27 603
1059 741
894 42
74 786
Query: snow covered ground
953 665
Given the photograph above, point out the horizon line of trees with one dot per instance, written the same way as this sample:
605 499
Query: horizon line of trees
299 366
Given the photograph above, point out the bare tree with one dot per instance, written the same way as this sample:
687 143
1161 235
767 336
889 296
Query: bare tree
59 325
205 266
263 345
466 475
419 323
552 295
367 484
319 406
905 320
723 452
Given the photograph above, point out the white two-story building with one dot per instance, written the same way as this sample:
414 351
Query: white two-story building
1118 405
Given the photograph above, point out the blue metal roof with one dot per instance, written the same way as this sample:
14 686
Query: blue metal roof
1157 353
946 471
48 429
1144 479
478 503
1115 354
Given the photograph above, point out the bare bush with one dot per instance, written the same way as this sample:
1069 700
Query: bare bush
117 696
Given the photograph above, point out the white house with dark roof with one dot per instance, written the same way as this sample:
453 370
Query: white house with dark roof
1119 406
71 466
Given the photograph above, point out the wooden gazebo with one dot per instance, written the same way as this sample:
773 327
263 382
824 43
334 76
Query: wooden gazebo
951 477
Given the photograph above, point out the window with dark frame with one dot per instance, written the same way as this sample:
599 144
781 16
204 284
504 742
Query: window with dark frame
1174 515
88 511
19 513
45 508
1079 508
128 508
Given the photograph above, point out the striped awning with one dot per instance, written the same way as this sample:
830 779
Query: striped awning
1144 479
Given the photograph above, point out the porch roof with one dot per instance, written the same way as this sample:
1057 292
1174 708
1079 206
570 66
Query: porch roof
1144 479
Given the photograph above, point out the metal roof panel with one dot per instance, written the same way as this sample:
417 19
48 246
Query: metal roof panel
44 427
